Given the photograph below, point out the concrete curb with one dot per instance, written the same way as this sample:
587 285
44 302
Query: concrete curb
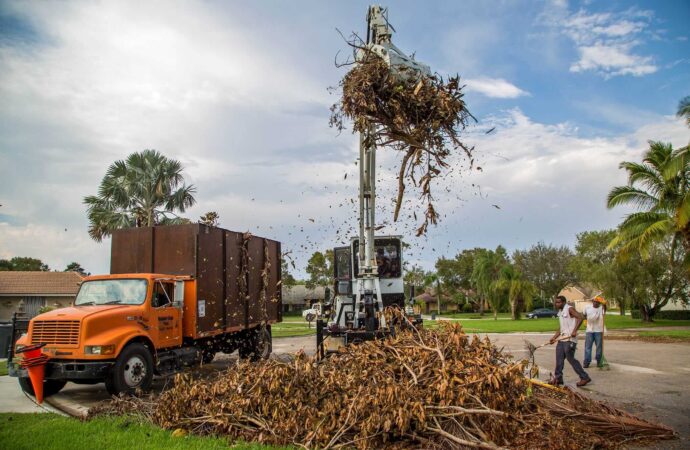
66 406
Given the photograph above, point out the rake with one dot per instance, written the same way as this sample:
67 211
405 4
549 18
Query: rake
531 348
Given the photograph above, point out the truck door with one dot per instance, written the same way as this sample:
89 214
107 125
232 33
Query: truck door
167 326
342 270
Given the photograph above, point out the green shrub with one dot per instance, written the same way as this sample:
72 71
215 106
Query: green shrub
467 307
667 315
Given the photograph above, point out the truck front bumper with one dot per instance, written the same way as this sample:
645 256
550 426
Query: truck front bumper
68 370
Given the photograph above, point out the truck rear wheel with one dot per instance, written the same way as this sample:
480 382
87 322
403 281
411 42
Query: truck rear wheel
257 345
50 387
133 370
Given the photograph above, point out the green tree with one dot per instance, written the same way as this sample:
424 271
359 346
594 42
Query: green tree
320 269
594 262
414 276
545 266
646 284
486 272
655 280
658 188
76 267
287 279
211 219
23 263
144 190
684 109
518 289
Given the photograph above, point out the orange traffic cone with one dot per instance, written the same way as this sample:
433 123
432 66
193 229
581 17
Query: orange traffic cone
35 363
36 374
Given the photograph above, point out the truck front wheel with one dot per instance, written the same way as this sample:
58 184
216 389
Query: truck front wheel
133 370
50 387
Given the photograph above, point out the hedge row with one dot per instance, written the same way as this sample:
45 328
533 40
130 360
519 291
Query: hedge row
668 315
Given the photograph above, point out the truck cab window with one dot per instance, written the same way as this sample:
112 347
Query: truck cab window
163 294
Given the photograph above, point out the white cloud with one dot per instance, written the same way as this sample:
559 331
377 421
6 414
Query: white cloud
245 110
605 42
612 60
494 87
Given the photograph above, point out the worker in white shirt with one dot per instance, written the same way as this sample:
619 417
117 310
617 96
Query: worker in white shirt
569 321
595 330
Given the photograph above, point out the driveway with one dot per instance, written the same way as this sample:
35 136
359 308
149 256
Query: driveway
648 379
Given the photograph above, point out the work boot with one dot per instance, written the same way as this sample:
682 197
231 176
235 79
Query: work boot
583 382
585 365
555 382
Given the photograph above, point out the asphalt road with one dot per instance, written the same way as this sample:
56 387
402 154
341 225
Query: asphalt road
648 379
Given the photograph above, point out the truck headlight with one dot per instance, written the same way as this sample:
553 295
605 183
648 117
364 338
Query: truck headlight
99 349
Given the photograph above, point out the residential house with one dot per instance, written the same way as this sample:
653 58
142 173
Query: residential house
581 295
30 291
298 297
429 303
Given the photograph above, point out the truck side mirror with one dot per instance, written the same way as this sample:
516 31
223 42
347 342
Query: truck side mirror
179 294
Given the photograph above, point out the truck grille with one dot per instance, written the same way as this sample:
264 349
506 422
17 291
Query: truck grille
60 332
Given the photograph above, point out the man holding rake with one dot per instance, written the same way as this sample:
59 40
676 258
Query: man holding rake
566 336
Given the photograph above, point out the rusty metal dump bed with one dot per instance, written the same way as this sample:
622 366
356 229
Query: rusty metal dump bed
237 275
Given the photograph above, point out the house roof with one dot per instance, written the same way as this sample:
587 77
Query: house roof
298 293
39 283
585 289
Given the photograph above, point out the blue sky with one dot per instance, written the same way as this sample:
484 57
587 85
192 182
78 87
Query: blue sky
238 92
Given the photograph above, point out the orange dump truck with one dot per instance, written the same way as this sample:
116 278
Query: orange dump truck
175 297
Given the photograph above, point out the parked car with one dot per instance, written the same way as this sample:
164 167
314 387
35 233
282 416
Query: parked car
541 312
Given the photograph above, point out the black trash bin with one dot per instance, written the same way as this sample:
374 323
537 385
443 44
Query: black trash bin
433 315
5 338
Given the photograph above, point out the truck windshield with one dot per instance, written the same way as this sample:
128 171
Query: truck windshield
112 292
387 257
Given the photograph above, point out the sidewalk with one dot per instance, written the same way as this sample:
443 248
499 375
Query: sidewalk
12 399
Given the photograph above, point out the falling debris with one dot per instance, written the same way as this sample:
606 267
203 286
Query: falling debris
420 388
420 116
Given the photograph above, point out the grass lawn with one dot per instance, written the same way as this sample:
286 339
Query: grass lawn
50 431
292 328
3 368
613 322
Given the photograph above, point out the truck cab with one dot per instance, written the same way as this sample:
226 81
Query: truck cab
138 312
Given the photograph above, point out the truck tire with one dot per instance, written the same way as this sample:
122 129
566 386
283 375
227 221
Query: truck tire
257 345
50 387
207 356
133 370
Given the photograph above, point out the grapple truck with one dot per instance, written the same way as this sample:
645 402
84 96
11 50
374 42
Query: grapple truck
176 296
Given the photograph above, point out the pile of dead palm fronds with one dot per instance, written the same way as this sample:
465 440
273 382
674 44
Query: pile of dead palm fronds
428 388
421 116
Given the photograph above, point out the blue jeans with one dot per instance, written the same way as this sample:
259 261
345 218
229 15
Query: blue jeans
591 338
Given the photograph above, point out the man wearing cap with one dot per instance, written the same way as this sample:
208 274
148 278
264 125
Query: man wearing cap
569 321
595 330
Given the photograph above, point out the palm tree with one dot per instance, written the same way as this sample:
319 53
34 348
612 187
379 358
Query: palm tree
485 273
145 190
684 109
659 188
519 290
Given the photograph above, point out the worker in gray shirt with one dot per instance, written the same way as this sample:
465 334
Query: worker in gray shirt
569 321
